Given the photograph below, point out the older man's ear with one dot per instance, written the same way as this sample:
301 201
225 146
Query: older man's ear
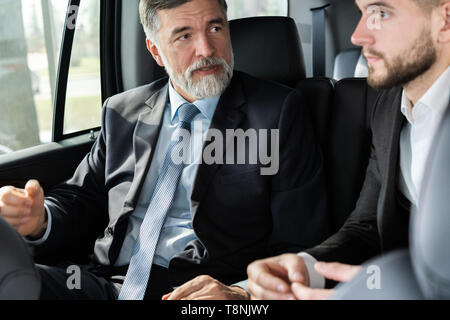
154 51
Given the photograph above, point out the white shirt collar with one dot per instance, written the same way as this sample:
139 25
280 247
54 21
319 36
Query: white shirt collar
436 98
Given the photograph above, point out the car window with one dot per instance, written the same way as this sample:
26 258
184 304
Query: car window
249 8
30 37
31 34
83 97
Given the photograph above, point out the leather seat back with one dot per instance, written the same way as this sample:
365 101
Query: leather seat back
348 146
350 63
268 48
318 94
341 119
345 63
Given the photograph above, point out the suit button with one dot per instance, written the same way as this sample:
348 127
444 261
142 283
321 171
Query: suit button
110 231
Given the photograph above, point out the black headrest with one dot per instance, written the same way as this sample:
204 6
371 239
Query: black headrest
268 48
430 224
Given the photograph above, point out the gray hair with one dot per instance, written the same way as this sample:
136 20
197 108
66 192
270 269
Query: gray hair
148 10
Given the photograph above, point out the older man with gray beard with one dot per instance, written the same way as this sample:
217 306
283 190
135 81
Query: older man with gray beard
155 224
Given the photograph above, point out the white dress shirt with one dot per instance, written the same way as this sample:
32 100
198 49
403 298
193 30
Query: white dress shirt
418 133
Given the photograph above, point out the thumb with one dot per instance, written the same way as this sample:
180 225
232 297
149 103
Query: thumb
166 296
32 188
295 268
337 271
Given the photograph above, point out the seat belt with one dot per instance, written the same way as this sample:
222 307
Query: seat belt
318 40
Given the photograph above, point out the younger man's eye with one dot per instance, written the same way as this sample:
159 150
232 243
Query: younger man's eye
384 15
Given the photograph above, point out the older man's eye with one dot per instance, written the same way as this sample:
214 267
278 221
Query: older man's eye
216 29
184 37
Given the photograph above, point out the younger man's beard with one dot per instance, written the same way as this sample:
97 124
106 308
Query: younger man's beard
405 67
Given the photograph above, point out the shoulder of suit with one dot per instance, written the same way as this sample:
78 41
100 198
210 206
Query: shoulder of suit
390 94
387 103
136 96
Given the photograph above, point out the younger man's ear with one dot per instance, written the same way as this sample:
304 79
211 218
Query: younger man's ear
153 49
444 13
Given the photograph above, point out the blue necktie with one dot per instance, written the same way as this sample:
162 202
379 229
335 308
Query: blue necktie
144 249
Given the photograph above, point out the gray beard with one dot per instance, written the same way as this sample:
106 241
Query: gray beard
207 86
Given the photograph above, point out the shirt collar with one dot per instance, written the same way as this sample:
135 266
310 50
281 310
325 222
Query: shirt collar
436 98
406 108
207 106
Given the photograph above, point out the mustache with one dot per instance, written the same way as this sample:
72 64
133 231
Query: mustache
205 62
370 52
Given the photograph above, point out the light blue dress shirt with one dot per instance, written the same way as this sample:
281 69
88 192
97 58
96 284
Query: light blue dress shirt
177 230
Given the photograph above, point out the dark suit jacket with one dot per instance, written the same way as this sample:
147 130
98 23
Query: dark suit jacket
380 221
239 215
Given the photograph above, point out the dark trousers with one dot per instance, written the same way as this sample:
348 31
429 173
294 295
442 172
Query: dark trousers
21 279
18 277
60 283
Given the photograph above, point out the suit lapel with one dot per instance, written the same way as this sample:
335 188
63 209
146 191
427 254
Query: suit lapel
144 140
228 115
390 180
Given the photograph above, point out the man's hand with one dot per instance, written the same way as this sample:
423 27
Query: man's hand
24 209
271 278
334 271
206 288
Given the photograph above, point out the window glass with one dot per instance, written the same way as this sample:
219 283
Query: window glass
30 39
250 8
83 98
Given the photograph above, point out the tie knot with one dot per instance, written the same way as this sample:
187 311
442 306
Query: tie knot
187 112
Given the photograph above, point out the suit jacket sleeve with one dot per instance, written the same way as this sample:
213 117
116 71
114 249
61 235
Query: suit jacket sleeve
298 193
79 205
358 239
